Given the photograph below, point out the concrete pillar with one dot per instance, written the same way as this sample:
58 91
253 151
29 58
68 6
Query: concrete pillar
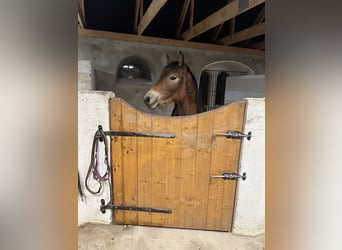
93 110
249 215
86 76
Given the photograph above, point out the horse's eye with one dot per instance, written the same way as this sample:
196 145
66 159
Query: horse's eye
173 78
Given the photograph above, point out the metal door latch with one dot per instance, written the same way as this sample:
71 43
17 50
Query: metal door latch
229 176
105 206
234 134
135 134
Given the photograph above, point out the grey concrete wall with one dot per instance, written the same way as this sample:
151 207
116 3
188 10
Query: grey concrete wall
86 76
106 56
238 88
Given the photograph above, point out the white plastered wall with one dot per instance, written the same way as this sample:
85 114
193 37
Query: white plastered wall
93 110
249 215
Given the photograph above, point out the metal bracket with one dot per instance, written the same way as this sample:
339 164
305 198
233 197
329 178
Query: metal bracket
104 206
229 176
234 134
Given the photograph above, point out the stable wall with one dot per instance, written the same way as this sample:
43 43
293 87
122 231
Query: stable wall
107 54
241 87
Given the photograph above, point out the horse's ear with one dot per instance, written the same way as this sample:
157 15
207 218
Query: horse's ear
180 59
168 59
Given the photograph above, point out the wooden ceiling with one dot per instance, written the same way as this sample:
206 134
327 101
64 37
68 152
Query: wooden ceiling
225 23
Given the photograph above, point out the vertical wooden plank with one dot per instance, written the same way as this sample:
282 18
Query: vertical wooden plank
117 172
129 160
219 148
202 172
173 163
188 165
232 158
159 169
175 173
144 161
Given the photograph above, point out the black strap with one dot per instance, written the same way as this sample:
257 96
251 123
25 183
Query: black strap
80 191
93 166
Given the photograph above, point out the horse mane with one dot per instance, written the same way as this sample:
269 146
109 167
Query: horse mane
200 106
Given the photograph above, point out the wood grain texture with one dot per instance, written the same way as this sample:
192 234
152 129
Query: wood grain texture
228 12
129 163
174 173
144 161
115 125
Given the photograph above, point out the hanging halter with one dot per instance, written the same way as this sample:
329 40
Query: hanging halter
93 166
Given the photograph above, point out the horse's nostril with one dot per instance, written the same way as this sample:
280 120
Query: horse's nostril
147 99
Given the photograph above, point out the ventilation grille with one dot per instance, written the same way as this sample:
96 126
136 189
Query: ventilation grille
213 86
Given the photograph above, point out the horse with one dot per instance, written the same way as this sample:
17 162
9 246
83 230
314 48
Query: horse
176 84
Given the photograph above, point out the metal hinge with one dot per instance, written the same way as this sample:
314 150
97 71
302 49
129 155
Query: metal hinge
128 208
136 134
229 176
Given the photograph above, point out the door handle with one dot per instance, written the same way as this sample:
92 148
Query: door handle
230 176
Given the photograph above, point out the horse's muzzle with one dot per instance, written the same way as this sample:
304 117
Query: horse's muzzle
151 99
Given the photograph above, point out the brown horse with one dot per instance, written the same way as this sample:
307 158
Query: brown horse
176 84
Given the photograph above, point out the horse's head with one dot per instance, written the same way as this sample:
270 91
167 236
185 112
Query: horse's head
171 86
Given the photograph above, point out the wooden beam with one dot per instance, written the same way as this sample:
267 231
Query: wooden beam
257 45
150 13
81 14
217 29
216 32
225 13
136 14
166 42
182 17
232 26
80 22
191 17
250 32
141 9
260 18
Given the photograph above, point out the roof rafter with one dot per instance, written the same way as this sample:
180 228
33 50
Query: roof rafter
150 13
232 26
260 17
182 17
192 10
250 32
218 29
81 14
225 13
136 14
216 32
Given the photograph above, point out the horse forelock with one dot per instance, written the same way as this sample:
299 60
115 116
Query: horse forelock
173 66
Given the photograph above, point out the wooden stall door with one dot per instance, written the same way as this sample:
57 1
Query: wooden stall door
175 173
